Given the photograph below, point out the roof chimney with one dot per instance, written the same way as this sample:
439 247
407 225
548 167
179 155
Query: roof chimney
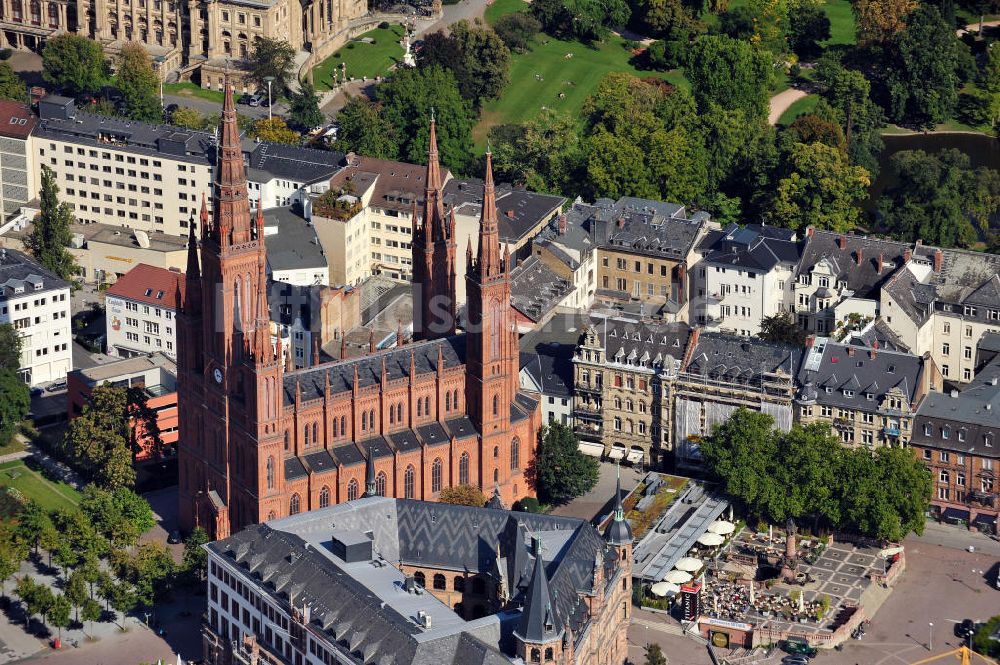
938 257
858 255
881 261
850 350
810 340
810 231
907 255
872 354
842 242
510 214
621 222
562 224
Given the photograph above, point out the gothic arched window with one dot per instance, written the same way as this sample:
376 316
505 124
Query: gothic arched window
515 454
447 401
463 469
419 578
315 434
293 505
305 435
495 329
496 405
324 497
408 482
436 475
343 426
380 483
270 473
352 490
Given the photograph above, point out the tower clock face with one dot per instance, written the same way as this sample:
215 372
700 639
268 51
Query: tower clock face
218 375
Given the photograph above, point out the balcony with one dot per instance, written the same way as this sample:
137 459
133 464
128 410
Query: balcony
890 430
588 432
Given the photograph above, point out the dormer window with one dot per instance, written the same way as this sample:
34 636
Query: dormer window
988 440
928 430
870 397
848 393
829 390
149 292
961 434
38 286
946 432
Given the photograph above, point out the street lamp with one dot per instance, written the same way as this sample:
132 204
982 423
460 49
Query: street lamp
930 636
270 80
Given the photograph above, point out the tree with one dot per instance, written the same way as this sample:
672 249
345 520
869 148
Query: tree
59 612
10 347
91 611
922 79
76 591
11 85
150 572
808 26
410 98
32 522
847 99
51 234
363 130
738 23
654 655
120 516
138 83
553 15
543 154
122 597
879 21
274 130
730 74
303 108
195 559
12 552
274 58
74 64
98 439
937 197
591 19
15 403
188 117
39 600
811 128
781 327
517 30
741 453
476 56
820 188
562 472
463 495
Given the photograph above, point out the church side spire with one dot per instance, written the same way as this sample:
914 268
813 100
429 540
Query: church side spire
488 259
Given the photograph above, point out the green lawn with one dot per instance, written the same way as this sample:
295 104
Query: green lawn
499 8
363 59
841 22
539 76
48 494
798 107
188 89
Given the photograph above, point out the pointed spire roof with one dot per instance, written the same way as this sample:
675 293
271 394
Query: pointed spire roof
495 500
488 258
538 623
231 204
618 532
193 270
434 218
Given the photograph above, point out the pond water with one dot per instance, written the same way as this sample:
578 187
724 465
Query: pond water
982 150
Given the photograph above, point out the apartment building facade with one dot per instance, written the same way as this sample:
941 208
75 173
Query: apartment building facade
17 162
943 302
619 372
868 396
743 275
957 435
37 304
142 312
122 172
644 251
567 247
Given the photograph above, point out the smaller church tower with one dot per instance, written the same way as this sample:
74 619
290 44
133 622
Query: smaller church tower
539 633
433 245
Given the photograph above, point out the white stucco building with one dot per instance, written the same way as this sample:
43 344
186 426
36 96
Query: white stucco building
37 304
141 312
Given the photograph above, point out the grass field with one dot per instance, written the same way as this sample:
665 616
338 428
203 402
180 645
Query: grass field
48 494
539 76
188 89
798 107
362 59
841 22
499 8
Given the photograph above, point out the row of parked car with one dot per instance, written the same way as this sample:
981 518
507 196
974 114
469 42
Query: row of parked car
255 99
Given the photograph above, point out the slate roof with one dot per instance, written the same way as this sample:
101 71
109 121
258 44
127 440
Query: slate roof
295 244
397 364
646 227
573 245
829 369
970 416
20 276
535 290
292 162
539 623
519 211
864 279
965 278
753 247
740 359
292 558
547 353
643 343
16 120
346 603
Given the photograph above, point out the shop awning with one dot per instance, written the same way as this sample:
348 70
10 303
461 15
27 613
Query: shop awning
635 454
591 448
617 451
955 514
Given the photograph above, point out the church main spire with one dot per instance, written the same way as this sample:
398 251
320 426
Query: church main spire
231 205
488 262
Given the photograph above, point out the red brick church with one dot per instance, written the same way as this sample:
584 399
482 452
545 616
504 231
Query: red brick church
260 441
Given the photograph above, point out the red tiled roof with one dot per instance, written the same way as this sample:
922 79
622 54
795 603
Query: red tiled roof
16 120
150 285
